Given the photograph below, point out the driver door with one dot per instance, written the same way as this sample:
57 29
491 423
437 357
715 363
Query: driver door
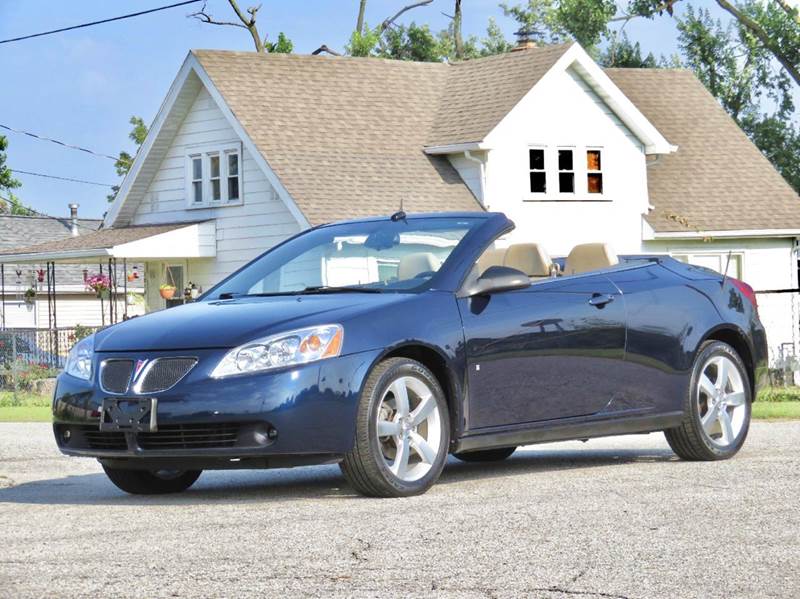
552 350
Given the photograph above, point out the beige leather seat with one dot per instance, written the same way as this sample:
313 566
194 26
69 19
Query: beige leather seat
491 257
589 256
412 265
530 258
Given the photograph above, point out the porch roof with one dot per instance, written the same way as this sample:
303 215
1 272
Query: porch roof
141 242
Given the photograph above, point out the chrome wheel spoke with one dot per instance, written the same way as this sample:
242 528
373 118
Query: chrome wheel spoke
735 399
426 405
706 385
420 445
400 464
723 373
727 427
709 419
388 429
400 393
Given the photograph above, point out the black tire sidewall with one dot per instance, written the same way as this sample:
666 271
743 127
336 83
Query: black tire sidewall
414 369
718 348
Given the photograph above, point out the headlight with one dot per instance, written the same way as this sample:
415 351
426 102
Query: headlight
79 360
286 349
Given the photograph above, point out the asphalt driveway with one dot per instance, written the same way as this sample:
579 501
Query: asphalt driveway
619 517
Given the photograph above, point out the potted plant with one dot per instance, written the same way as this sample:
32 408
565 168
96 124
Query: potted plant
167 291
100 284
30 295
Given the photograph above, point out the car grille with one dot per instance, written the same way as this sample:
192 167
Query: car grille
191 436
103 440
164 373
115 375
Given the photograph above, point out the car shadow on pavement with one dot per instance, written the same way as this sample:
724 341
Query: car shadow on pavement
242 486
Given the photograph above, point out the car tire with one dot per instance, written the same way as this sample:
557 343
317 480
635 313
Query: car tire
485 455
146 482
400 445
716 408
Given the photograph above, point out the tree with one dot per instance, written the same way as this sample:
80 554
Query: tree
9 203
283 45
623 53
125 160
554 21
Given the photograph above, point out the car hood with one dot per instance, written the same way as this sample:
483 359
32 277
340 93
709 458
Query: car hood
229 323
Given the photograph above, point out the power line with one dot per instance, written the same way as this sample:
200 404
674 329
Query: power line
46 176
133 14
56 141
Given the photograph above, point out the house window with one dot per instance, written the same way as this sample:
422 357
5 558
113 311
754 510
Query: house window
197 179
566 172
537 173
594 172
214 175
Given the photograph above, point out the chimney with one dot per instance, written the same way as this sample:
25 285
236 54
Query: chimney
524 39
73 219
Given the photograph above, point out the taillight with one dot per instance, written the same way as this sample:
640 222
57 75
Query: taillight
746 290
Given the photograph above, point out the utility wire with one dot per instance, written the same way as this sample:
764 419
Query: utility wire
128 16
46 176
56 141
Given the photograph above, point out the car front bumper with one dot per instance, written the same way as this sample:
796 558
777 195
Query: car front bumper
298 415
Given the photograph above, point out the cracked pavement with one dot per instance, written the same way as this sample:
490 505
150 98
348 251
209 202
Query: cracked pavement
611 518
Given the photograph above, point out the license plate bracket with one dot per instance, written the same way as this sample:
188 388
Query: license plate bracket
122 414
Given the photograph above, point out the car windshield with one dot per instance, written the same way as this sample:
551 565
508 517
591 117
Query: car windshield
369 257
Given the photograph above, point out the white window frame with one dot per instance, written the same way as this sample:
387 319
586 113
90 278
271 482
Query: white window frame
580 172
721 254
205 152
574 172
537 195
600 171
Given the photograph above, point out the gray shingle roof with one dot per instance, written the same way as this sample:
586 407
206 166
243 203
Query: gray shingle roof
17 233
718 180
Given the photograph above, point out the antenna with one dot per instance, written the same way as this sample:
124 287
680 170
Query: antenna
727 264
399 215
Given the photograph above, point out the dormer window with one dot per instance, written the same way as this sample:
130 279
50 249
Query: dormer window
566 172
575 174
594 172
537 172
213 175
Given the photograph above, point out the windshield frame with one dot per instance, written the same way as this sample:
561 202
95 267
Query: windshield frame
465 244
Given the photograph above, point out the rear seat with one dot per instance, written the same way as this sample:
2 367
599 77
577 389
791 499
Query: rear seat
530 258
589 256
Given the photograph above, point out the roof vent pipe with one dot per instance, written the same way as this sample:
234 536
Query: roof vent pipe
73 219
525 39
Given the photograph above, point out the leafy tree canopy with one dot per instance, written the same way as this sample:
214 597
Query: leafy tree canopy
125 160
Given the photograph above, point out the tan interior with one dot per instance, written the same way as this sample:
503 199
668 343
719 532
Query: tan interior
412 265
589 256
491 257
530 258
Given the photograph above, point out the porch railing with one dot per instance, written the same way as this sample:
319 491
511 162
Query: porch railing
25 350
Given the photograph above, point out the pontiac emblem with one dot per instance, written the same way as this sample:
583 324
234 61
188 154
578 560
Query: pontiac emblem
140 364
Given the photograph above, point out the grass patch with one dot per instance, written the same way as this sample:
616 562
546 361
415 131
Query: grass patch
776 410
25 414
779 394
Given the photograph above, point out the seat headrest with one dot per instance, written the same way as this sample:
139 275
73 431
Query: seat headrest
413 264
530 258
589 256
491 257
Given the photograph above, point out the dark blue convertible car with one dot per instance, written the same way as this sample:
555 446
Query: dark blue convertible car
388 343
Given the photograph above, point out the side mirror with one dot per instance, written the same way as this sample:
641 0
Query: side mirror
495 279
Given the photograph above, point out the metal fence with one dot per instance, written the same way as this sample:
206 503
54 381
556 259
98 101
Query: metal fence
30 354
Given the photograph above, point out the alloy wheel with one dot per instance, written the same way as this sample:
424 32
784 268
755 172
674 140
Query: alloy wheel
409 428
721 399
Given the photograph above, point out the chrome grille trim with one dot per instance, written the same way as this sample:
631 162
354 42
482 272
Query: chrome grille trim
115 375
163 374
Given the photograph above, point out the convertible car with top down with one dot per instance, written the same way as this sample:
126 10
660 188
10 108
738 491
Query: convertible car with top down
386 344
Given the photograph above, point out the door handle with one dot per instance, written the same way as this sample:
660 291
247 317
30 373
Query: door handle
598 300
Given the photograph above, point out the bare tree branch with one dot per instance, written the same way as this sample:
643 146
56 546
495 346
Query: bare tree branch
324 48
793 12
666 5
390 21
362 9
763 37
457 37
248 23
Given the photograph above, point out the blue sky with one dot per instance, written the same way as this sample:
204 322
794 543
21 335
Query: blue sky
82 86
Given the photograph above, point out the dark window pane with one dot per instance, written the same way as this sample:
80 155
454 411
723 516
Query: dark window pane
214 166
233 164
197 169
536 159
566 182
595 182
215 189
198 191
593 160
538 182
565 160
233 188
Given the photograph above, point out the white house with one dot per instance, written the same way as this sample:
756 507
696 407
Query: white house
248 149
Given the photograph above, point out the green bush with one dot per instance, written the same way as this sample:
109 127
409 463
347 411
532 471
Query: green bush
776 394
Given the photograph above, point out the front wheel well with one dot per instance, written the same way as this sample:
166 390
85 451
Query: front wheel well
437 364
737 341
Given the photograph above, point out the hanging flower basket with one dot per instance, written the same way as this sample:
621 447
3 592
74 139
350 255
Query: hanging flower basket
100 284
167 291
30 296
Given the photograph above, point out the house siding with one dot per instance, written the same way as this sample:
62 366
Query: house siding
242 231
562 111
